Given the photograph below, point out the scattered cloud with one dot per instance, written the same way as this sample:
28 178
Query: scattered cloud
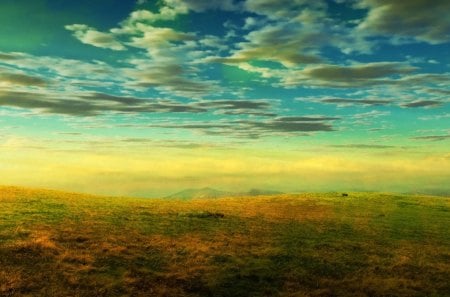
432 137
167 75
61 68
357 72
357 75
91 104
21 79
435 117
307 118
91 36
202 5
371 114
422 103
237 104
5 57
285 43
286 9
418 19
362 146
343 101
253 129
295 124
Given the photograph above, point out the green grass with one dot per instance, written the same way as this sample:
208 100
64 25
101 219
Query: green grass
367 244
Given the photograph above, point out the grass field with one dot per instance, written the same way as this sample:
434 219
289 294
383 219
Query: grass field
367 244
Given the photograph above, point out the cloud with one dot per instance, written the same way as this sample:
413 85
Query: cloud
240 107
288 44
343 76
203 5
166 60
167 75
4 56
237 104
176 144
343 101
146 16
362 146
294 124
354 75
30 100
292 33
91 104
285 9
154 37
254 129
64 70
432 137
435 117
21 79
420 19
307 119
422 103
371 114
91 36
167 66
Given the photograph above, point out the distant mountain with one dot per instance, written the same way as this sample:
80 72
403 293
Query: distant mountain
200 193
259 192
207 192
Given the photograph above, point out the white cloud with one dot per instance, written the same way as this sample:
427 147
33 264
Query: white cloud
91 36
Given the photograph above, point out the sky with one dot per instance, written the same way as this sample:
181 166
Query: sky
146 97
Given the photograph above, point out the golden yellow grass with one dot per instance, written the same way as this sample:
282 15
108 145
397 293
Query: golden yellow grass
368 244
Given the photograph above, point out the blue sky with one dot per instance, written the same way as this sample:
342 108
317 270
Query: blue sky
356 89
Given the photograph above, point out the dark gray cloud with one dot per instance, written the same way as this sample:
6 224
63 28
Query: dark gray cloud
364 72
432 137
248 112
240 107
287 125
22 79
43 102
362 146
253 129
307 119
203 5
356 101
70 133
422 103
236 104
349 76
7 57
194 126
91 104
421 19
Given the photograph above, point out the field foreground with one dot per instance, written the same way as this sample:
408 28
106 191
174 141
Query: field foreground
64 244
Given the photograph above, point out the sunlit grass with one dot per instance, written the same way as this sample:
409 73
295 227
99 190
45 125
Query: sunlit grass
63 244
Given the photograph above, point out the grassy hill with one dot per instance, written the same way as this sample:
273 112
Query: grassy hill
65 244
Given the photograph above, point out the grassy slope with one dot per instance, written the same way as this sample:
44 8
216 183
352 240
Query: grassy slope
61 244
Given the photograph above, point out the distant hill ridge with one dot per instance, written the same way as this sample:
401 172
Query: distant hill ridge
207 192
